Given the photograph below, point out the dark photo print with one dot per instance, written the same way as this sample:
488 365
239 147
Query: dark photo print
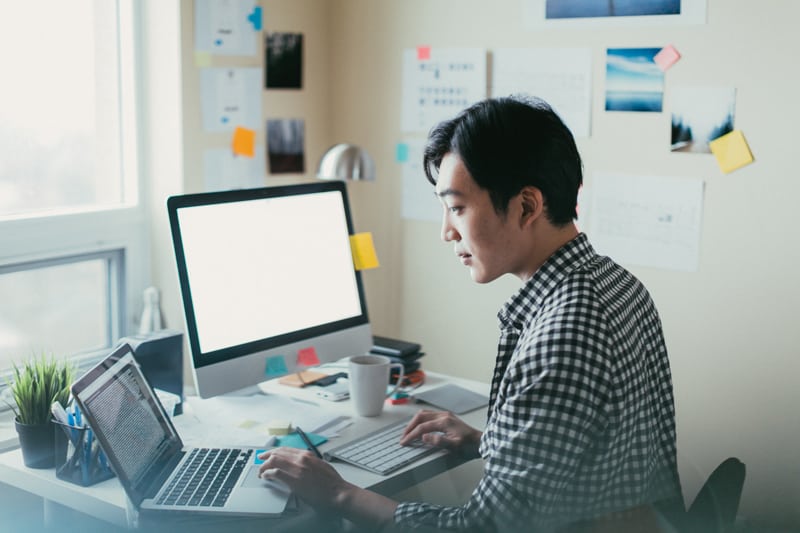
562 9
284 57
286 146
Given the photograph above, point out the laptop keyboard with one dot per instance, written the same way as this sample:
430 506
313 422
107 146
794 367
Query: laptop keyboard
206 478
380 451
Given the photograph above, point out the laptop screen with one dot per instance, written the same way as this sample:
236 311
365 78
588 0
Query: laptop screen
128 420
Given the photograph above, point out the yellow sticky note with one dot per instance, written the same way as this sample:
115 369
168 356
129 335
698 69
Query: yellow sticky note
202 59
731 151
364 255
244 142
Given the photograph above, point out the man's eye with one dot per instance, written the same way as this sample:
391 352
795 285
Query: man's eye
455 209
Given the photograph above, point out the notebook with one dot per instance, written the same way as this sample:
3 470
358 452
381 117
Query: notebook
148 455
453 398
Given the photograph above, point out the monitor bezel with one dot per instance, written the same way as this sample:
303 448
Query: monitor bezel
202 359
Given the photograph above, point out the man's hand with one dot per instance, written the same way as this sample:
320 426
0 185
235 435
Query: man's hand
442 429
309 477
320 485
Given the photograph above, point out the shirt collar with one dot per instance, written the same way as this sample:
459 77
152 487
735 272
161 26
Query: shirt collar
519 309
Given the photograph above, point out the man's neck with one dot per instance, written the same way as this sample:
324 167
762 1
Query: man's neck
548 239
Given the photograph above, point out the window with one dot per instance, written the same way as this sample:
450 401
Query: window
73 237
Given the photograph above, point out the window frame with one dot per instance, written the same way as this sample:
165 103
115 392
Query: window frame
120 233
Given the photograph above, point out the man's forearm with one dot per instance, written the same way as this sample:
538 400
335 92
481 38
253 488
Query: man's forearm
365 508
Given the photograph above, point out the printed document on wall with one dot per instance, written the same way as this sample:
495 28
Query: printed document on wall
648 221
440 82
223 170
419 198
560 76
231 97
227 27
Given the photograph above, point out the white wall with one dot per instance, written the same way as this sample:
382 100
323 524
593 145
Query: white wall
731 327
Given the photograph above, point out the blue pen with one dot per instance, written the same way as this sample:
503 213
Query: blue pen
78 420
87 456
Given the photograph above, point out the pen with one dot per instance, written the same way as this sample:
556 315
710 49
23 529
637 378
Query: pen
308 442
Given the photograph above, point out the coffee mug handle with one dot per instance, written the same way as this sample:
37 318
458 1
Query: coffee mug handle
399 379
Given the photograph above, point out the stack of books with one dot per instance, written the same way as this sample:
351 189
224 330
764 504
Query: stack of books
404 352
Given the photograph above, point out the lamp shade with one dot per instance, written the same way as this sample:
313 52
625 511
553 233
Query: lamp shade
346 162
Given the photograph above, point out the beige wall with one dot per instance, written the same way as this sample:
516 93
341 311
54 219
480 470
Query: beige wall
731 327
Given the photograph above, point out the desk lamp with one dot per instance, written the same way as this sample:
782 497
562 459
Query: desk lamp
346 162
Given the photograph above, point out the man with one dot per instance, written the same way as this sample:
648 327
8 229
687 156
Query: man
581 425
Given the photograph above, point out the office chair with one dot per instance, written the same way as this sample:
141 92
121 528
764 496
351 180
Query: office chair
714 508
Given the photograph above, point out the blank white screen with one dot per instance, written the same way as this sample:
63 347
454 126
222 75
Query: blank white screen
266 267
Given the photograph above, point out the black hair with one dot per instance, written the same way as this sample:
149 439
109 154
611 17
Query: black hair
510 143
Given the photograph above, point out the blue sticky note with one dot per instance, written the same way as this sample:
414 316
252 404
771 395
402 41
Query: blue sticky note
293 440
255 18
256 460
401 153
276 366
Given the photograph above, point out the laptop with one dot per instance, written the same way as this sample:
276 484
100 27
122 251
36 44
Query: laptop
150 459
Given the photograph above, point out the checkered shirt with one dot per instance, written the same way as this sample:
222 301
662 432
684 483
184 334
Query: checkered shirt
581 415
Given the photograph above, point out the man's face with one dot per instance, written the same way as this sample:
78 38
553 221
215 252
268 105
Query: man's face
485 241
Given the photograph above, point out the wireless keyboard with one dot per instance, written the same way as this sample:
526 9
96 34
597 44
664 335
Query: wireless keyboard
380 451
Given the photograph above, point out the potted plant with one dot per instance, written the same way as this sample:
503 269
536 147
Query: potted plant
35 386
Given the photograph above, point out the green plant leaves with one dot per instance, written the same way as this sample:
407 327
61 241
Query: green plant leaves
36 385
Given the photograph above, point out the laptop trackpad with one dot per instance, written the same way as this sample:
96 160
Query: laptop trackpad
253 481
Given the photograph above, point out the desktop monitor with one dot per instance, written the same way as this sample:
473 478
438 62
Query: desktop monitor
267 282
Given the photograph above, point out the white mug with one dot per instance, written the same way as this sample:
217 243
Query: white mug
369 377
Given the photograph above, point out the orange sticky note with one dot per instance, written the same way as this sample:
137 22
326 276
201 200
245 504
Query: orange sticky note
666 57
731 151
423 52
244 142
364 256
307 357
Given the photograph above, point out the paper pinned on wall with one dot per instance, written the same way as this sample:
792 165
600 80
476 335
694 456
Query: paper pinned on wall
222 170
647 220
560 76
438 83
419 200
230 97
227 27
731 151
363 249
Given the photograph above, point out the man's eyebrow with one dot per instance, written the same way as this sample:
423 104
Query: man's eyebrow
449 192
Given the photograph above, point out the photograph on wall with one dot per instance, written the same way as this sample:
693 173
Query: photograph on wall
700 115
286 146
634 82
607 13
283 53
561 9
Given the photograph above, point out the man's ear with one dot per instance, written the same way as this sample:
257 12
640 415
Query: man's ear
532 203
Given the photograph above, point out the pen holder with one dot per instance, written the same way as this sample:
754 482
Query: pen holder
79 458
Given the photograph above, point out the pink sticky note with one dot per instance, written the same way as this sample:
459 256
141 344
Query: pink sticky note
423 52
307 357
666 57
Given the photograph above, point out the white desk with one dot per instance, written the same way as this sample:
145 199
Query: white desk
107 500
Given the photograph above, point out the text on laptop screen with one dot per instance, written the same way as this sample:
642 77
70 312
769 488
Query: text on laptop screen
124 412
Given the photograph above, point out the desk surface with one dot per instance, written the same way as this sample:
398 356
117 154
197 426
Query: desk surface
107 500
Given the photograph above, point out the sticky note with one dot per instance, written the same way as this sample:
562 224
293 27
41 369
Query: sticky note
247 424
401 152
364 256
307 357
256 460
279 427
255 18
202 59
731 151
275 366
666 57
244 142
293 440
423 52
